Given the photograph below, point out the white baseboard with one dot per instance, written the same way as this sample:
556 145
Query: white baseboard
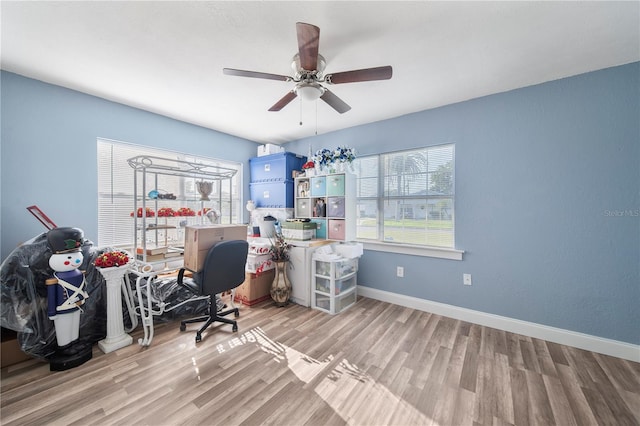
552 334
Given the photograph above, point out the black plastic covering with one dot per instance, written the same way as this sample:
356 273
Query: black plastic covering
23 302
173 295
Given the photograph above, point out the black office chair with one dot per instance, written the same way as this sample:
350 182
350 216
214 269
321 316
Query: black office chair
224 269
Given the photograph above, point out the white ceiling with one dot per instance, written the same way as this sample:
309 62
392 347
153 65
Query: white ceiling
167 57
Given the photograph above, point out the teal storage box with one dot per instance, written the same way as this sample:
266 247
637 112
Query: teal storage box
321 230
335 185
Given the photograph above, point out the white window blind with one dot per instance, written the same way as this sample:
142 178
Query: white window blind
407 197
116 191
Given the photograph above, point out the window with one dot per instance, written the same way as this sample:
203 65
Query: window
116 191
407 197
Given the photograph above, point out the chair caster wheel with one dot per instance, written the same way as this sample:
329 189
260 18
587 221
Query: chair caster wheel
236 314
198 338
183 327
234 328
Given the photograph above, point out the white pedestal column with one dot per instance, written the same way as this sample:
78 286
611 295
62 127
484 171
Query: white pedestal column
116 337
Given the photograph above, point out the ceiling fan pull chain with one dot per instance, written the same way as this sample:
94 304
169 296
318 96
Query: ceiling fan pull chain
301 110
316 118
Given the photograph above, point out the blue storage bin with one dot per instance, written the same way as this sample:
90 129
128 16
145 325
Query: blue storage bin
321 228
318 186
272 194
275 167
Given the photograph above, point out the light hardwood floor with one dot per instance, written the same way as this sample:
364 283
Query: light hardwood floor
374 364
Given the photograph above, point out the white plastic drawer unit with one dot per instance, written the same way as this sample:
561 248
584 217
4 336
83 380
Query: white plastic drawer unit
342 268
343 302
334 304
324 285
334 284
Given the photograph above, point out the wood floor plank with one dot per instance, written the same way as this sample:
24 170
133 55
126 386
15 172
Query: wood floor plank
520 397
560 405
575 396
456 361
374 364
541 412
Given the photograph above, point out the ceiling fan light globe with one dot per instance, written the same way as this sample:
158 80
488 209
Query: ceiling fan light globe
309 92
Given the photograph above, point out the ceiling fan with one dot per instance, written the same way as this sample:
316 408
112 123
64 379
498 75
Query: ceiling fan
308 66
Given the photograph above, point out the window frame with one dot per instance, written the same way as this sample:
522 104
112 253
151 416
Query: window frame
379 244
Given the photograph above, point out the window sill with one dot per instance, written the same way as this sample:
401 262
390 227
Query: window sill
440 253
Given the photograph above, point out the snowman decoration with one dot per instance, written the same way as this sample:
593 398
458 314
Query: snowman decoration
66 290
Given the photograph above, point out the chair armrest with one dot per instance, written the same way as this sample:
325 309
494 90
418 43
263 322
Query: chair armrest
190 285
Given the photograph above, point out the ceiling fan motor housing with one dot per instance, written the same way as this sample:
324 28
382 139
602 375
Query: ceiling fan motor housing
302 74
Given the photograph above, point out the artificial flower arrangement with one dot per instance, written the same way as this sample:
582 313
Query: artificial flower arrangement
148 212
112 258
166 212
344 154
279 248
185 211
323 157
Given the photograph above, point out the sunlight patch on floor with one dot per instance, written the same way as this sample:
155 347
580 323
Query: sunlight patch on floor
348 390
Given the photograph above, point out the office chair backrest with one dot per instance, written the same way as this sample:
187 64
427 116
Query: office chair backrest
224 267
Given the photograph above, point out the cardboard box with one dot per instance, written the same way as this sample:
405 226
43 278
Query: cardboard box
199 239
255 288
268 149
10 352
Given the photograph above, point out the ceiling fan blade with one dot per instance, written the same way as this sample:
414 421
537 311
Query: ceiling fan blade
284 101
367 74
335 102
308 41
255 74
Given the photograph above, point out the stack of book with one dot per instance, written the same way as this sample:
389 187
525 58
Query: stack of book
155 254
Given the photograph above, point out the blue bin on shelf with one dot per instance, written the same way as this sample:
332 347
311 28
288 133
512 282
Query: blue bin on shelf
275 167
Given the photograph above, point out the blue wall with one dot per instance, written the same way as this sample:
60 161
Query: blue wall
547 203
541 176
49 152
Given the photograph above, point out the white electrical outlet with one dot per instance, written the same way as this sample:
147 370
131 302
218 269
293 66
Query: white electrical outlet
400 271
466 279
